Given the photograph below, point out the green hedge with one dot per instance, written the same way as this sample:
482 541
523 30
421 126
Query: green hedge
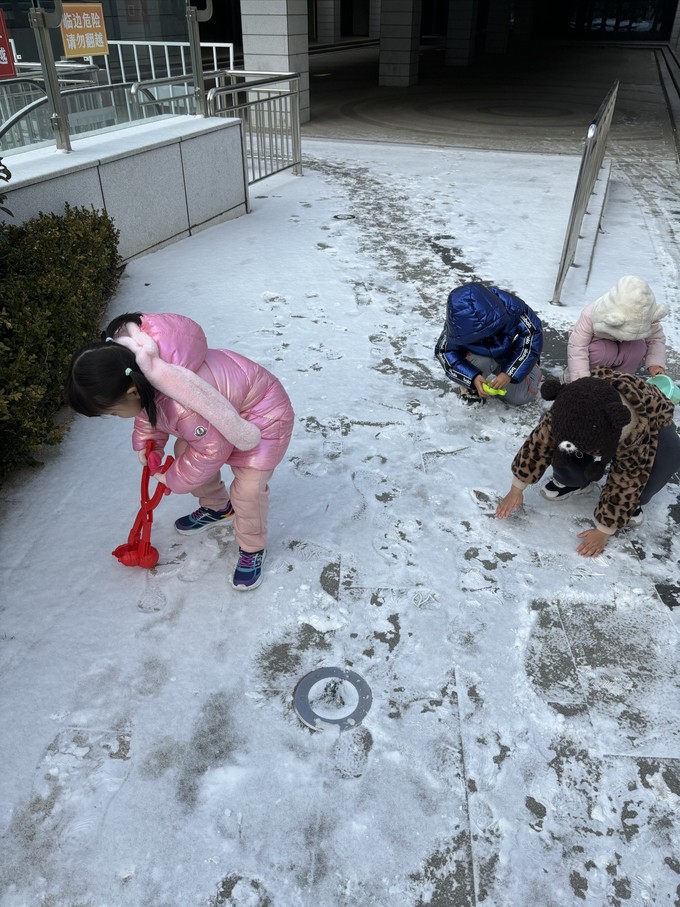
57 273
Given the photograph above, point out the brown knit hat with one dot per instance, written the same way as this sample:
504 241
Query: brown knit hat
587 417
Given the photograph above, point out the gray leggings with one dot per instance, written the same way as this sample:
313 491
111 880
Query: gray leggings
524 391
666 464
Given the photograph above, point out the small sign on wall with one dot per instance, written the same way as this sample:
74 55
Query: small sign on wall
7 67
83 30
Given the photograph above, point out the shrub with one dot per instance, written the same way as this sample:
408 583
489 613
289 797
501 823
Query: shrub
57 274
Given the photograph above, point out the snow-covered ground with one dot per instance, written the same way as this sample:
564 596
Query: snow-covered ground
523 742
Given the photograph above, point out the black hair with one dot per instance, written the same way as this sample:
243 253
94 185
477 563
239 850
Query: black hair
100 374
119 321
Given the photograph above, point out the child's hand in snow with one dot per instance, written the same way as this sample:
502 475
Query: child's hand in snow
593 542
511 503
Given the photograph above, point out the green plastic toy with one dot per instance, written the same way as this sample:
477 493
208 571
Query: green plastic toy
493 392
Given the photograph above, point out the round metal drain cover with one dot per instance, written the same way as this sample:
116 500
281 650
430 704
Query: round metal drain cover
332 697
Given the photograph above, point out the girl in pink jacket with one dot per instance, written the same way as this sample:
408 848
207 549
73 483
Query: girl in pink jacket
222 408
621 331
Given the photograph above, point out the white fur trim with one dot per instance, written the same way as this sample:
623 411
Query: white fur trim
187 388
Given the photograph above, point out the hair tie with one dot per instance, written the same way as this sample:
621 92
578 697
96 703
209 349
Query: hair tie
128 372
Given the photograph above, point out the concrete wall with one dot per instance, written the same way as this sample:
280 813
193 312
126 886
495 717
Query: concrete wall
159 182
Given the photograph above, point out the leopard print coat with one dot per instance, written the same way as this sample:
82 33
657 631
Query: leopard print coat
629 470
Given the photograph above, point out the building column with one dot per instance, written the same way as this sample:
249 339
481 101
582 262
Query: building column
523 21
498 27
374 19
461 33
675 31
275 40
399 42
328 28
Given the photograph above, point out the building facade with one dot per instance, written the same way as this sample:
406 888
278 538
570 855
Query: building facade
276 35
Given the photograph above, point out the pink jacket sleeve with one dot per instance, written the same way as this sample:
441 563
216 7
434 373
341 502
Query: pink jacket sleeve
144 431
656 347
200 452
580 338
199 459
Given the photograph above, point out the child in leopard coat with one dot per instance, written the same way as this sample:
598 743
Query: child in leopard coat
609 422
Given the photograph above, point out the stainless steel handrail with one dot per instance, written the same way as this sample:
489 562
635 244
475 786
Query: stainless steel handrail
148 84
591 162
271 131
41 102
263 133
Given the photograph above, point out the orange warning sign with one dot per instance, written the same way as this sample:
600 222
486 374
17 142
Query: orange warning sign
83 30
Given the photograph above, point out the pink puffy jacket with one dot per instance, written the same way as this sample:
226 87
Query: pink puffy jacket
583 333
254 392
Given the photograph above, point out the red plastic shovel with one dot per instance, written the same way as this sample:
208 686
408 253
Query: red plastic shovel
139 552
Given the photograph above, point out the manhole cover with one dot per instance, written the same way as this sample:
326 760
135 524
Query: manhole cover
344 216
332 697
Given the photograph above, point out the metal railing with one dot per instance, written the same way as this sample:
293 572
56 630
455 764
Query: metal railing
668 67
93 109
267 103
88 73
134 61
591 162
269 106
173 96
24 109
29 85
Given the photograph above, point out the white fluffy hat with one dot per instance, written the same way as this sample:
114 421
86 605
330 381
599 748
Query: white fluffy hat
627 311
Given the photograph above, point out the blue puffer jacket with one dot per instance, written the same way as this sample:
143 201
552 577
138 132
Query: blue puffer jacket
489 322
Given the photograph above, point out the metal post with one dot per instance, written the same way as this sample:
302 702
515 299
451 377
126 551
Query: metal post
194 16
591 162
295 125
41 21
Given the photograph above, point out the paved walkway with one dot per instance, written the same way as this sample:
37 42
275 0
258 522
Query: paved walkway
540 101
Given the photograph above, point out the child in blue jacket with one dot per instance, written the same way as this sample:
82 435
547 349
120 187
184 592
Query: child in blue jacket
491 337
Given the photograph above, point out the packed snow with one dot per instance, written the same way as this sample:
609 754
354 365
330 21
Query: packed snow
523 739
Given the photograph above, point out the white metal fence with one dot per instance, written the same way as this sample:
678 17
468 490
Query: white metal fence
134 61
105 81
140 80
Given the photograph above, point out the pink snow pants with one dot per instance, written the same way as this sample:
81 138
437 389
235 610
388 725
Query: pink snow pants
623 356
249 495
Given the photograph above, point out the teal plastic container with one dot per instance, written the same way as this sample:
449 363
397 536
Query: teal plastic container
667 387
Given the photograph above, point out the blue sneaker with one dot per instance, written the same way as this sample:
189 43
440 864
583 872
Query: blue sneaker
202 519
248 572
